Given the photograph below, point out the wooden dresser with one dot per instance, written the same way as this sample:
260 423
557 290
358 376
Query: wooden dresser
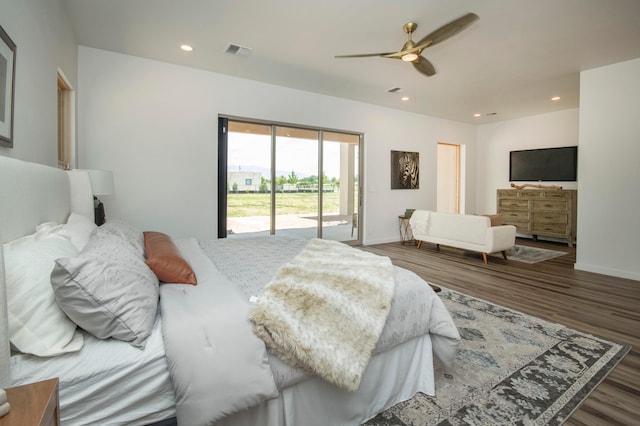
546 212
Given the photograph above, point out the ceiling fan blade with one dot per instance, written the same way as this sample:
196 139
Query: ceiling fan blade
424 66
449 30
365 55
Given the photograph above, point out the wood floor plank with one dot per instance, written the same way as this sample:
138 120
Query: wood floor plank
601 305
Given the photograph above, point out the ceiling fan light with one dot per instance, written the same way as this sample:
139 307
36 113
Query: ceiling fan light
409 57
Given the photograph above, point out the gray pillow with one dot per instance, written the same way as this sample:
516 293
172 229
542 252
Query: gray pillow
108 290
126 230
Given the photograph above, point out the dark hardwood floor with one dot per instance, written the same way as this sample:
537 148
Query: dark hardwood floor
604 306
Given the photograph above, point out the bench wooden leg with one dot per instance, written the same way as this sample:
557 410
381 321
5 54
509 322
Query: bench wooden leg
504 254
484 257
437 246
419 244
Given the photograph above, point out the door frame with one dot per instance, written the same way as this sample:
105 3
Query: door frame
223 145
458 173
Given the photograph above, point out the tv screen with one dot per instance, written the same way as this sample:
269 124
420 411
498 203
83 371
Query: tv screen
550 164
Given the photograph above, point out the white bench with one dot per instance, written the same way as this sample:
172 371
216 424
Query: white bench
468 232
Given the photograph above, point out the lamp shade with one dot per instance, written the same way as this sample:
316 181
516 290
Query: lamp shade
101 182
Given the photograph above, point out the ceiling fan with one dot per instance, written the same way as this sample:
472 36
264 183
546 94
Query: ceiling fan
411 51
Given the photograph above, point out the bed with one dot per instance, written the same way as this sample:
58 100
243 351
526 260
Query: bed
189 352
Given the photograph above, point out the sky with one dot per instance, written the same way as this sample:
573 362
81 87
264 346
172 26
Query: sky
299 155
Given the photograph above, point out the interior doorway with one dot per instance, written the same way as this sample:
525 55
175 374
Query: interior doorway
288 180
448 178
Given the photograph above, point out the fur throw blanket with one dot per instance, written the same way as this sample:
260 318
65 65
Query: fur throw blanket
324 311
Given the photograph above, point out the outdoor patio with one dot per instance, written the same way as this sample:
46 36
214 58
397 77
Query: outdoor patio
334 227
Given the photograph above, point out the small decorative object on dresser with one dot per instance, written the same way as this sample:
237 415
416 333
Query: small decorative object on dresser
33 404
546 212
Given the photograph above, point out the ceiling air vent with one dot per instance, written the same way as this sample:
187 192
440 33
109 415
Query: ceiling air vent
236 49
395 90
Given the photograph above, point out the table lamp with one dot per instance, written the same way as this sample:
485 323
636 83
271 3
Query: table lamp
101 184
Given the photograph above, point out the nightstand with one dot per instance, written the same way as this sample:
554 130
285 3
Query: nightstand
33 404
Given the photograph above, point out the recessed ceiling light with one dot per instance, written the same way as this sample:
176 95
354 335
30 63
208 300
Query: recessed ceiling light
186 47
555 98
477 114
405 98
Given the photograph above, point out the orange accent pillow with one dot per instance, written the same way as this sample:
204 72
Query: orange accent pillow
165 260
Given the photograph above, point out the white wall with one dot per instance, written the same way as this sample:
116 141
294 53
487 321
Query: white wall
155 125
609 171
496 140
45 42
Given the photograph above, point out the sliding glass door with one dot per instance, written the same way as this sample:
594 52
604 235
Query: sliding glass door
296 191
340 173
289 180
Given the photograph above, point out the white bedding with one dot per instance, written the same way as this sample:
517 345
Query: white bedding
107 382
112 382
218 366
415 310
391 377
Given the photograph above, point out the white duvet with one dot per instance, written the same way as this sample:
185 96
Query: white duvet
219 366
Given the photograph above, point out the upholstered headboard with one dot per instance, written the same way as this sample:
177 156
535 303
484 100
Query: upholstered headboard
31 194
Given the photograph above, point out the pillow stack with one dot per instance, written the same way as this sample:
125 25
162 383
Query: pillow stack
107 289
37 325
101 279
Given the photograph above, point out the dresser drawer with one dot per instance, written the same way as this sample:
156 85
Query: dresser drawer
507 193
549 228
550 217
522 227
530 194
510 216
556 195
509 204
557 205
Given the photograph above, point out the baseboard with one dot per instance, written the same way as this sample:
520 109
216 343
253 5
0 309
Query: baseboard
607 271
368 242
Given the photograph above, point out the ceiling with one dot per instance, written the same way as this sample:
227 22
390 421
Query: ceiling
508 64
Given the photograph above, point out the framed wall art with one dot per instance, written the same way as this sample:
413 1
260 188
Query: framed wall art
405 169
7 87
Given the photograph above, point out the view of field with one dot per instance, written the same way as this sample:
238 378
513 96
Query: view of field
258 204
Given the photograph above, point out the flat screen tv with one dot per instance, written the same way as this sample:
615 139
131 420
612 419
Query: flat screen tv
550 164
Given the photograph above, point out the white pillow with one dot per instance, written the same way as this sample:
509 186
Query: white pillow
43 228
108 290
37 325
126 230
77 229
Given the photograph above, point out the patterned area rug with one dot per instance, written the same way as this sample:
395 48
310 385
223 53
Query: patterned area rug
528 254
511 368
